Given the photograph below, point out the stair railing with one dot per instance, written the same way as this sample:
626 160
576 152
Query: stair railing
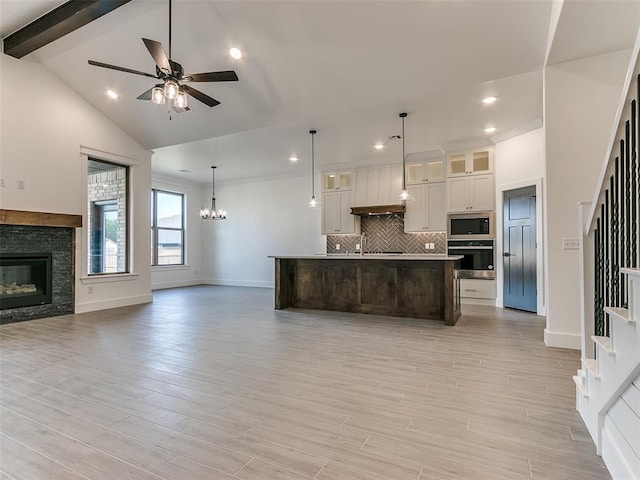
609 225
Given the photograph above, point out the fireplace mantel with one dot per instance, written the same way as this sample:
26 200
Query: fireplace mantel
41 219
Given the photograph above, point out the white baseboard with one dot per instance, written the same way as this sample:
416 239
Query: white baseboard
238 283
562 340
113 303
177 284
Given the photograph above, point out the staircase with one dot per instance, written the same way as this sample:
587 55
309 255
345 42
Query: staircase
608 383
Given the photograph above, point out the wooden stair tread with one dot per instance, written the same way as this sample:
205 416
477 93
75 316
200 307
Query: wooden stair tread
619 313
579 383
631 272
592 366
604 343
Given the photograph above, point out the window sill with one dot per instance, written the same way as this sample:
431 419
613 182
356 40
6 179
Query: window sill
160 268
110 277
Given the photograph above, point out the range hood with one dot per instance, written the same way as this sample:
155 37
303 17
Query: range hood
378 210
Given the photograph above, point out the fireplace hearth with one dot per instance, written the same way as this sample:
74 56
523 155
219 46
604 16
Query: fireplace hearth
25 279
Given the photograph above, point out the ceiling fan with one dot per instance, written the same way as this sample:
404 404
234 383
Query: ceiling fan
172 74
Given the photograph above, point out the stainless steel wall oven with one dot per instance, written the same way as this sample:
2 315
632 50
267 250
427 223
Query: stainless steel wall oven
478 257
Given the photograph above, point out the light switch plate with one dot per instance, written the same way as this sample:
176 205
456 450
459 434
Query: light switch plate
337 246
570 243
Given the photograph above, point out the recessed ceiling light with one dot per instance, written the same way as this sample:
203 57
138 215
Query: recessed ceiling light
489 129
112 94
235 53
293 158
378 146
489 100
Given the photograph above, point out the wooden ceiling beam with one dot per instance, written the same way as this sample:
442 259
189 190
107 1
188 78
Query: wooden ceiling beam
57 23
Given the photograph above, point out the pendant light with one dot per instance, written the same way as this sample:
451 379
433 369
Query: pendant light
213 213
313 203
405 196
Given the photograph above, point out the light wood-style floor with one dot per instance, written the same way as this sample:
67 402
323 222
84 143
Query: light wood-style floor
212 383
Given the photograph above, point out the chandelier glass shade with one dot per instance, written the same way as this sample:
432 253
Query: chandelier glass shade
213 213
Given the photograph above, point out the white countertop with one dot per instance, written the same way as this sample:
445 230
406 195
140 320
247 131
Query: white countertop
371 256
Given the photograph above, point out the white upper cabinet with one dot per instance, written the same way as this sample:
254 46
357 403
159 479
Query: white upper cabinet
336 214
425 167
473 162
336 181
473 193
427 212
378 186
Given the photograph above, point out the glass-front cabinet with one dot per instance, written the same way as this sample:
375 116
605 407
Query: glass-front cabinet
474 162
425 167
336 181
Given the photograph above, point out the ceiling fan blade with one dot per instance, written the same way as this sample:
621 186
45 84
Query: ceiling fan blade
198 95
223 76
158 54
121 69
147 95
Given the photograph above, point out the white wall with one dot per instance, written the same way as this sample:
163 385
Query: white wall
581 98
46 133
265 217
519 162
192 273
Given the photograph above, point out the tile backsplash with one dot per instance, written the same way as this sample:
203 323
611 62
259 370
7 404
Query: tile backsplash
385 233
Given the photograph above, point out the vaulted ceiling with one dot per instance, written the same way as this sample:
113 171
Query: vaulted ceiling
345 68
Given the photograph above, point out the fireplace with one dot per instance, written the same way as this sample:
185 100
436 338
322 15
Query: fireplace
37 264
25 279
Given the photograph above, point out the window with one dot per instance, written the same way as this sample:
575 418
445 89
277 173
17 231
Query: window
107 191
167 228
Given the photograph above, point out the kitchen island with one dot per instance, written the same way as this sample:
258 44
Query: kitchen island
419 286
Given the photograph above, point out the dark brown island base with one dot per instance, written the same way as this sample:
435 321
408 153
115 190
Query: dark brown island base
419 286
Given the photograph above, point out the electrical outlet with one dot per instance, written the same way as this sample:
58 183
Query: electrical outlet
3 182
570 244
337 246
90 289
426 246
357 246
21 184
432 246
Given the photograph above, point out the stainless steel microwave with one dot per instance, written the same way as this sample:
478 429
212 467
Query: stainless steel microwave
477 225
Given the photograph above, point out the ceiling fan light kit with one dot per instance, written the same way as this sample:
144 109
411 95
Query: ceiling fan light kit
171 74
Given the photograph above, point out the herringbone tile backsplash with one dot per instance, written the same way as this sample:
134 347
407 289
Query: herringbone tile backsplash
385 233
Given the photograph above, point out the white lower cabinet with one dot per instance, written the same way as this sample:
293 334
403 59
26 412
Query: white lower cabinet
471 193
478 291
426 212
336 214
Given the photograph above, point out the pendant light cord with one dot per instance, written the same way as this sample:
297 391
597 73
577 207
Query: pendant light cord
213 189
404 186
313 168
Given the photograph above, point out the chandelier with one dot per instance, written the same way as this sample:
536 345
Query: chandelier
213 213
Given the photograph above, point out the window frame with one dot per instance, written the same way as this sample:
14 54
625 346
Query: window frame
155 228
127 213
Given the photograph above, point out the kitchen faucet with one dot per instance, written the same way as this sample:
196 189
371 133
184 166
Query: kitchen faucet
363 241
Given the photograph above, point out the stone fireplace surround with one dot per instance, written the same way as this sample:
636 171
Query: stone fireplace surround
25 232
